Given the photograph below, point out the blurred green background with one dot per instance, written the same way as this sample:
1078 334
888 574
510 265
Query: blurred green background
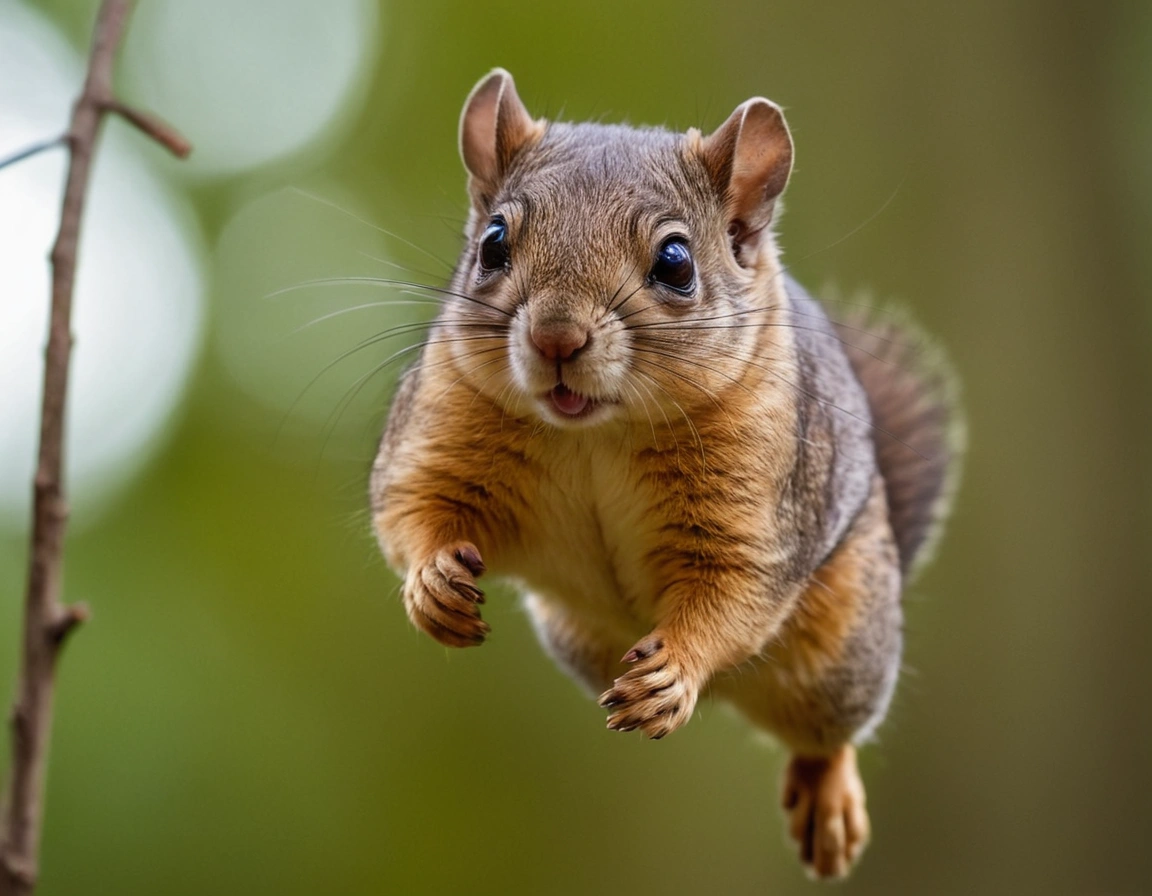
250 712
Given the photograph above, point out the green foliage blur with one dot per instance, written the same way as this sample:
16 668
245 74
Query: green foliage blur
250 712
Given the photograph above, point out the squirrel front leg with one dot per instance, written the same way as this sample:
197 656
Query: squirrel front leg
437 511
432 542
721 605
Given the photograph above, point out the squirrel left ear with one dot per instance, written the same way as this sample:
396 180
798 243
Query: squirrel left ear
494 126
749 158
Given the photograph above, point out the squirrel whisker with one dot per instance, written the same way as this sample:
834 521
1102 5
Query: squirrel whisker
384 281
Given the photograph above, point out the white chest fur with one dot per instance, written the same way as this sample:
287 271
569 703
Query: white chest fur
586 540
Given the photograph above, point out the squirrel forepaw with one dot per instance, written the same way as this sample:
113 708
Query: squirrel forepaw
442 599
657 695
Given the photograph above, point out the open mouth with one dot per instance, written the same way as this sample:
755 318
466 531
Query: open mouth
569 403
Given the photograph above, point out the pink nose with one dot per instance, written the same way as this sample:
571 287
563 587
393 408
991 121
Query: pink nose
558 341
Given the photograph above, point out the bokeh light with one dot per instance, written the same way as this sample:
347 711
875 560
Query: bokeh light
231 73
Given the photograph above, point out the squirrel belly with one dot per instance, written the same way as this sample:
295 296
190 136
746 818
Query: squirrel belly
771 490
700 484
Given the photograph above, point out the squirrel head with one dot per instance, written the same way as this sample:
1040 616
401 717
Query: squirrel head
615 272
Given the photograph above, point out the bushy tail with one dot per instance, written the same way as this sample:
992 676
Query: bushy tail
919 431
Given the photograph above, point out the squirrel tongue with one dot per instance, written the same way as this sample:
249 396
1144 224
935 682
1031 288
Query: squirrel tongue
567 401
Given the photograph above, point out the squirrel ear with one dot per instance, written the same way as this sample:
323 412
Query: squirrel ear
494 126
749 158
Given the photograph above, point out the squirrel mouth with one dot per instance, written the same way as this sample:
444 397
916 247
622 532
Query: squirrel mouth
569 403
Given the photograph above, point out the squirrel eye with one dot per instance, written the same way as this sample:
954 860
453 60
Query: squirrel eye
494 251
673 267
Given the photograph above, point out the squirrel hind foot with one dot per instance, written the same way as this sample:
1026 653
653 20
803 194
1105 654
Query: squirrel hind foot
823 798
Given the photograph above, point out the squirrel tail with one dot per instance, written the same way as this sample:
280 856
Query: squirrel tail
919 431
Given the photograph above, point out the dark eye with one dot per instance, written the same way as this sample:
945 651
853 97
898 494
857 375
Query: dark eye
494 253
674 267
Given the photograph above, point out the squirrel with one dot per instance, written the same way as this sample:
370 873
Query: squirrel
699 482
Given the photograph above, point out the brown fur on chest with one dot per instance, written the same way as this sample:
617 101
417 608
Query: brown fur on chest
603 520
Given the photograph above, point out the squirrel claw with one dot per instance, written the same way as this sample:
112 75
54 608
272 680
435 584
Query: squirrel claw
643 649
442 599
656 695
470 557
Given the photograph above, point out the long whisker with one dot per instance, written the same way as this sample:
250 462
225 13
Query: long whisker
388 233
686 322
466 373
503 405
641 309
400 267
337 413
343 311
384 281
354 390
676 373
372 340
644 406
690 322
624 301
771 324
855 230
667 423
643 349
774 372
687 419
613 307
401 329
488 379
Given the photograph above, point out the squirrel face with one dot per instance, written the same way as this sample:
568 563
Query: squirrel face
614 273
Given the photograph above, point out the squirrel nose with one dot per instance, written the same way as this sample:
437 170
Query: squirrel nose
558 341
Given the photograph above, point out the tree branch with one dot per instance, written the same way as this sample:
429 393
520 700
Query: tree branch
158 130
33 150
47 621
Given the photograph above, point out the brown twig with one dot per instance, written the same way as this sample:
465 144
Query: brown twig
153 127
47 621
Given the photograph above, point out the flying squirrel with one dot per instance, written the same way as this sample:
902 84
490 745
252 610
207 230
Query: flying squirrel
700 483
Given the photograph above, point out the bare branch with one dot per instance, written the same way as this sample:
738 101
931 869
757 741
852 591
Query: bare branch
47 621
34 149
160 131
69 617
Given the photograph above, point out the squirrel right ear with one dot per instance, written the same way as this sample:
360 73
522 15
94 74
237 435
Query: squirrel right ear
494 126
749 158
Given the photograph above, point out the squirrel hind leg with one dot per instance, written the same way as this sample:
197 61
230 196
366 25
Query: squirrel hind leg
823 798
825 684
